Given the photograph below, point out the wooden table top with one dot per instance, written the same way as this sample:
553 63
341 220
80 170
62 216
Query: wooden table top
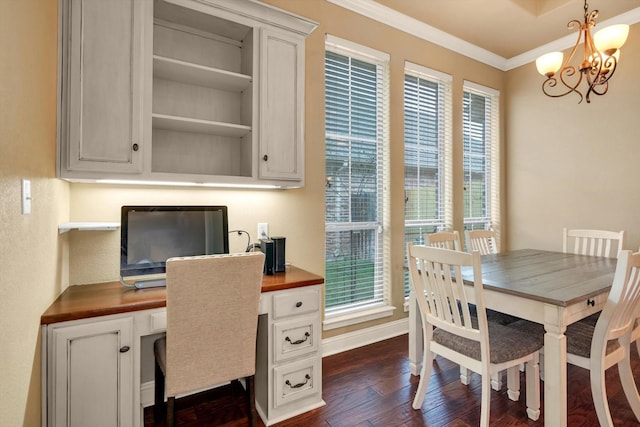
552 277
101 299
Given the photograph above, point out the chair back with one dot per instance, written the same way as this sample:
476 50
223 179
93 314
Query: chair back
592 242
441 298
444 239
622 308
212 319
483 241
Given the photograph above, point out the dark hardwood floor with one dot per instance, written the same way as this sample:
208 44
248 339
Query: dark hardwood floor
371 386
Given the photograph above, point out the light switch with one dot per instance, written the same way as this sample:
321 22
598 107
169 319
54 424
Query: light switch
26 197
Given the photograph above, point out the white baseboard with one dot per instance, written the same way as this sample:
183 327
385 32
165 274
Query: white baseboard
351 340
330 346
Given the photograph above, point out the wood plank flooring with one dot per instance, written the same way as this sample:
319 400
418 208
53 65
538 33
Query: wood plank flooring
372 387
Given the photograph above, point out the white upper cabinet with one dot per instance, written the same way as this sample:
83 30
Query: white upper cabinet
211 91
281 106
101 87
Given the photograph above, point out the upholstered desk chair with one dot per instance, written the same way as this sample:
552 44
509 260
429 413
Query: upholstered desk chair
444 239
452 332
599 348
212 321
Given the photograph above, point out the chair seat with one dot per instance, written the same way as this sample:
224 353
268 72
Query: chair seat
506 343
579 336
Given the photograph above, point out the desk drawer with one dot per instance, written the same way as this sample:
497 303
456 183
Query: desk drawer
296 337
295 303
297 380
158 322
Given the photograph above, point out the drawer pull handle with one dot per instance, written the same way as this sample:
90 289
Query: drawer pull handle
306 380
124 349
299 304
306 337
591 302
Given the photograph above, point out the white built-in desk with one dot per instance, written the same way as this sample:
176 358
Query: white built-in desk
93 353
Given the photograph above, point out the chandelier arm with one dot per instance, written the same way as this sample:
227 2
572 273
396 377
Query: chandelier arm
552 82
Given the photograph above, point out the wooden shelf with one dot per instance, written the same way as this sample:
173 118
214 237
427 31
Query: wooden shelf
88 226
186 124
200 75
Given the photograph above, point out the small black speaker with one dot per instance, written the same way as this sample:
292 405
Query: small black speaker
266 246
278 253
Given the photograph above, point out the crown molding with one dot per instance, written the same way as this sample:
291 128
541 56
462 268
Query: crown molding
372 9
395 19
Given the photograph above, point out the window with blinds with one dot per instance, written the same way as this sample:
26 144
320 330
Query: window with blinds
427 154
356 114
480 157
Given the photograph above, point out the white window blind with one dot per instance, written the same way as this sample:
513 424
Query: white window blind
427 154
481 157
356 114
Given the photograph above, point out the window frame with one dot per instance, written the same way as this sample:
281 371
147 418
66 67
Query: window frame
379 306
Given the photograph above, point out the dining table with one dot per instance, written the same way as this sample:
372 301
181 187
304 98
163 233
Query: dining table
551 288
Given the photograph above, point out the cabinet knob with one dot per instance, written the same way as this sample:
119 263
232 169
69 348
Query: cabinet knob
265 157
135 147
299 304
124 349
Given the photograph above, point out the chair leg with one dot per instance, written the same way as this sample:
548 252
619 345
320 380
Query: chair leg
251 391
496 381
599 391
532 376
171 411
513 383
629 385
485 405
427 363
158 403
464 375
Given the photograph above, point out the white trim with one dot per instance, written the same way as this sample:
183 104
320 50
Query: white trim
350 48
359 316
484 90
362 337
385 15
402 22
421 70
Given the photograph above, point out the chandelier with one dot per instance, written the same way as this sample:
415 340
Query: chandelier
601 53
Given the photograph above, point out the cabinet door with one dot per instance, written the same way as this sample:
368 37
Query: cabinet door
102 86
91 374
281 106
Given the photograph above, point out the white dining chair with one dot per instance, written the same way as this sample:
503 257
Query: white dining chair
449 329
483 241
592 242
608 343
444 239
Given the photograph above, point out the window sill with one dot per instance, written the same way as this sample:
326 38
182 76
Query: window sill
359 316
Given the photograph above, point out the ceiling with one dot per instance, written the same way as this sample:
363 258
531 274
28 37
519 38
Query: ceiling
505 28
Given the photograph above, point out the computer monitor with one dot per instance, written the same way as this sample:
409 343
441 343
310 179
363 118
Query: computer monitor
149 235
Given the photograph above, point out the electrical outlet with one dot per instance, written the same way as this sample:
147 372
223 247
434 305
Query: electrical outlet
263 230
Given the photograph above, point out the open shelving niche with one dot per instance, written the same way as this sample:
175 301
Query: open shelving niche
203 100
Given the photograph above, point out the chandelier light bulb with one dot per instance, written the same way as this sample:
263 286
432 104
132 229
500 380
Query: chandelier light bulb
611 38
549 63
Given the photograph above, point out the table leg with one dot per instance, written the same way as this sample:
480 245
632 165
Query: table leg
555 371
416 345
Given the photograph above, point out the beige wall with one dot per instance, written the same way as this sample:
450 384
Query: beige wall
570 164
31 253
37 266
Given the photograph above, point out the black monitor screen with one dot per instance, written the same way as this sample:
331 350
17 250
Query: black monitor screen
149 235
